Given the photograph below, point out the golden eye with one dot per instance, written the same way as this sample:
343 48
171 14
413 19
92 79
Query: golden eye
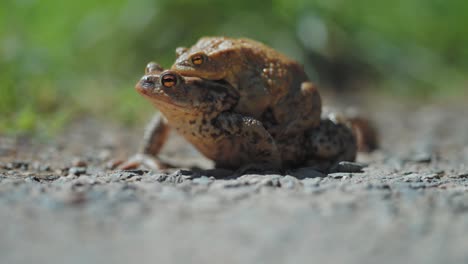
197 59
168 80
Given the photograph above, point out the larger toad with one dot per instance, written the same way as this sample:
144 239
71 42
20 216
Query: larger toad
204 113
269 83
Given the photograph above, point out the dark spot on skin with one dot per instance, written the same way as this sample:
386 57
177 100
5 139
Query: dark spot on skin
214 135
315 149
255 137
264 153
238 122
191 122
204 121
193 134
211 109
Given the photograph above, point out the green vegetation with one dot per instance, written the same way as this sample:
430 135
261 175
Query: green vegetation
60 59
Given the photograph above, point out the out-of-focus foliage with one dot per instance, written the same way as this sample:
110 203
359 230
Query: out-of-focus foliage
60 58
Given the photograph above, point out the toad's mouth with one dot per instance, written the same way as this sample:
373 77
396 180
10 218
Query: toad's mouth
221 82
158 97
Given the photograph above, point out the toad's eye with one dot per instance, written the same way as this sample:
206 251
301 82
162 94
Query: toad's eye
198 59
168 80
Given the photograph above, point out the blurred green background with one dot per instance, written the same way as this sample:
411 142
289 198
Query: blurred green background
63 59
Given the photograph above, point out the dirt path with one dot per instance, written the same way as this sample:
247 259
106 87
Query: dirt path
59 203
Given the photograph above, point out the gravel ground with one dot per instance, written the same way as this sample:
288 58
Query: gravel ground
60 202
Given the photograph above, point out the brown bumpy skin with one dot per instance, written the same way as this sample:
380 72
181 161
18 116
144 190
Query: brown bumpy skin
270 84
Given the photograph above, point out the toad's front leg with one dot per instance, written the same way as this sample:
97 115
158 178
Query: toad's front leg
155 137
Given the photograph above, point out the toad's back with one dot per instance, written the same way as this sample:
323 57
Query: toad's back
271 85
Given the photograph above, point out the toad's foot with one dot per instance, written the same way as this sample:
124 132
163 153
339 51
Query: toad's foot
146 161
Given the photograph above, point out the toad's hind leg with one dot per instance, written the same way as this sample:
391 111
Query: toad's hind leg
156 134
365 131
330 143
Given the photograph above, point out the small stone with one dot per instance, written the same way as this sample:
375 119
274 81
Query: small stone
271 182
311 182
424 153
418 185
339 175
178 176
32 179
413 177
44 167
421 157
79 163
77 171
460 175
347 166
112 164
289 182
307 172
395 163
431 176
22 165
203 180
104 154
136 172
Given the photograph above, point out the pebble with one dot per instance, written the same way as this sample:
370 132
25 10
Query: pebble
395 163
421 157
22 165
307 172
289 182
339 175
413 177
311 182
347 166
418 185
79 163
460 175
178 176
77 171
271 182
423 153
203 180
431 176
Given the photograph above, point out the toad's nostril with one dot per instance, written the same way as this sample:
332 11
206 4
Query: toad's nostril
148 81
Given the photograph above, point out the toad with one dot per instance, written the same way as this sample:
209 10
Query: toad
268 82
203 112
